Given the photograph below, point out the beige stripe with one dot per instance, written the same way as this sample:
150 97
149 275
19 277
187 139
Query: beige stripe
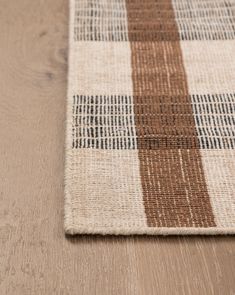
100 68
103 190
102 187
219 169
209 66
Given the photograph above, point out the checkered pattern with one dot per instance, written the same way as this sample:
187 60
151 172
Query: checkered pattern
151 117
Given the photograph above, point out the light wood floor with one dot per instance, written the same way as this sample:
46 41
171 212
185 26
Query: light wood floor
35 255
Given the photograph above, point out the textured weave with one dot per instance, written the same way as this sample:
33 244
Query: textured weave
150 134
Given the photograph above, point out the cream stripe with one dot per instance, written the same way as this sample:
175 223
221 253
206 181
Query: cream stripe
210 66
101 68
219 169
104 189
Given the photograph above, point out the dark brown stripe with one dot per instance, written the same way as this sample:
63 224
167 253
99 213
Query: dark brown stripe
174 188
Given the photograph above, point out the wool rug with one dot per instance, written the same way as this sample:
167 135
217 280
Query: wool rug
150 130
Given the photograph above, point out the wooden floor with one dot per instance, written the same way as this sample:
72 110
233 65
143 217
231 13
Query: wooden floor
35 255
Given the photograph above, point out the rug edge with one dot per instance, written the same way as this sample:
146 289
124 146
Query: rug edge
163 231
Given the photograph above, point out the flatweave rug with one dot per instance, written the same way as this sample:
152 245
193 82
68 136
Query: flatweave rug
150 130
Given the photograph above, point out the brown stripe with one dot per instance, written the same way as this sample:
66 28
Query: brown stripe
175 192
151 20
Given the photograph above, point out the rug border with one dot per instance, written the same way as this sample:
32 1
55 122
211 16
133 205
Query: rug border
68 212
163 231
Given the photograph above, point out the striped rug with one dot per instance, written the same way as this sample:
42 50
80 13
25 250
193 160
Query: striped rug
150 131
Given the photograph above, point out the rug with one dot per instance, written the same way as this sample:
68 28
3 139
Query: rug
150 130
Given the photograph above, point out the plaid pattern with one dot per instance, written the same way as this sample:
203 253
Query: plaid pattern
151 117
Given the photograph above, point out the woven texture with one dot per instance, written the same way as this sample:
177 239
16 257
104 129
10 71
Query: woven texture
150 131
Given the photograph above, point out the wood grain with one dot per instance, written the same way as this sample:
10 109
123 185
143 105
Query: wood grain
35 255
